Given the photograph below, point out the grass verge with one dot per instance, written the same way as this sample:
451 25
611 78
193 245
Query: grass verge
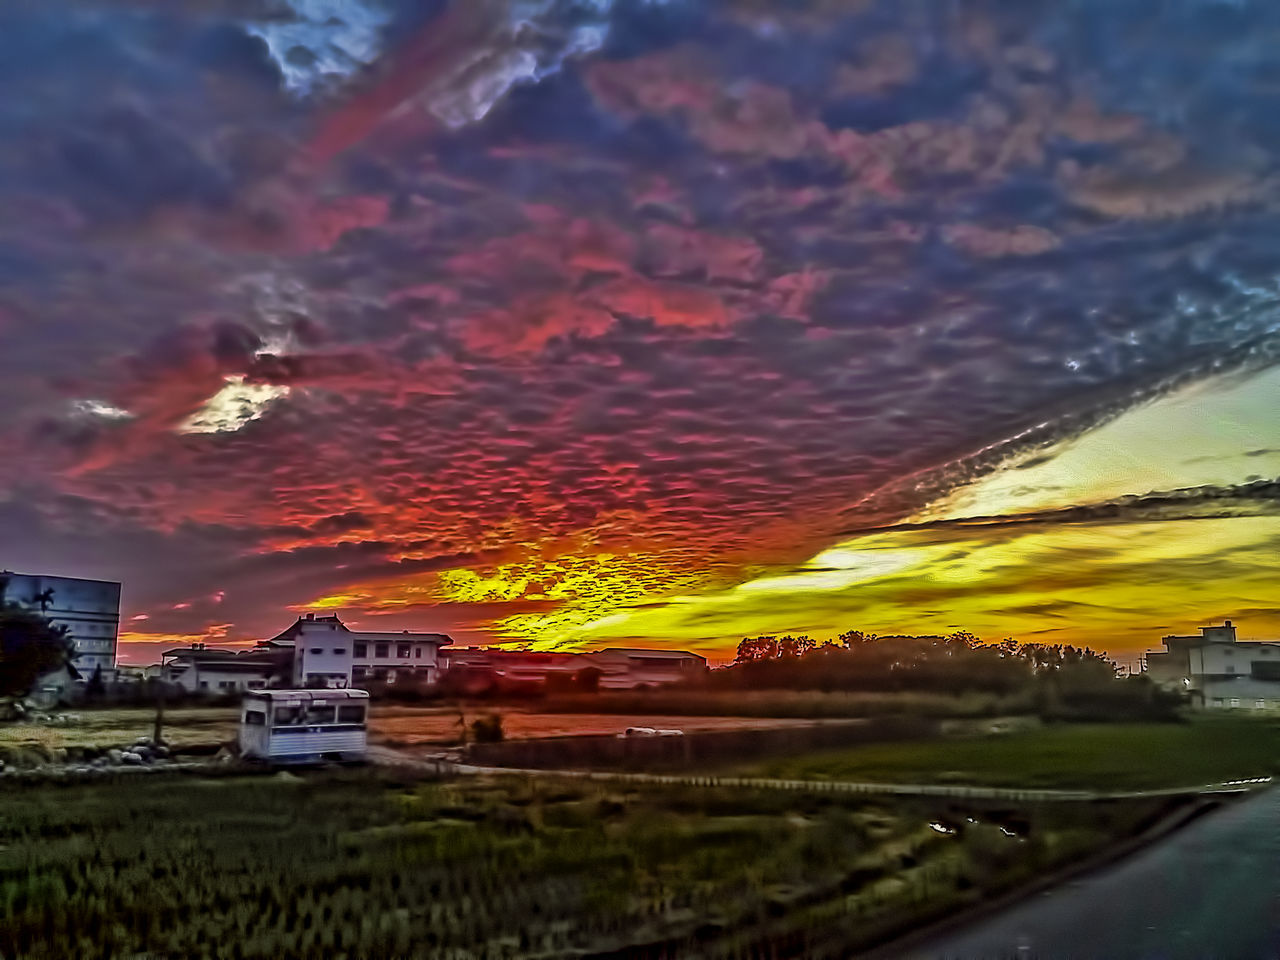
1126 756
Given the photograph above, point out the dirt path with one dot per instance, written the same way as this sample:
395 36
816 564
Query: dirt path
389 757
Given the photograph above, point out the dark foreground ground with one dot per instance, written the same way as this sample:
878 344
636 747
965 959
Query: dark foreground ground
363 864
1211 890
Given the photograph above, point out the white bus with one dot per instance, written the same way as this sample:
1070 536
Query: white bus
297 726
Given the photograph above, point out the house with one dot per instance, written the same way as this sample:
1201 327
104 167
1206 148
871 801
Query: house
328 654
200 669
625 668
1219 671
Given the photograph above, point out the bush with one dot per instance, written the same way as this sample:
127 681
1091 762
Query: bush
487 729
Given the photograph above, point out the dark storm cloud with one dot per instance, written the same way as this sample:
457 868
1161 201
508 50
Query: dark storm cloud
691 276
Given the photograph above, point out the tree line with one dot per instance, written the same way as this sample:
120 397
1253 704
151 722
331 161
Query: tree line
1056 675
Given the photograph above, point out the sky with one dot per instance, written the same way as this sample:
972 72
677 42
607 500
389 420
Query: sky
575 323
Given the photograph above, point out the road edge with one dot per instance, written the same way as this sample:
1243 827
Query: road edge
895 947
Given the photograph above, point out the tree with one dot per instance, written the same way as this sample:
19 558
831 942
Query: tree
30 647
95 689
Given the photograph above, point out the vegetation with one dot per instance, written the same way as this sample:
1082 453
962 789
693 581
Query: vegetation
1087 756
286 867
31 646
684 701
487 729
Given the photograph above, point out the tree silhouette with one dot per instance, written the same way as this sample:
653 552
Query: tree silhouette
44 599
30 647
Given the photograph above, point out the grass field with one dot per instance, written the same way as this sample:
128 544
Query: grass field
1099 756
359 865
389 723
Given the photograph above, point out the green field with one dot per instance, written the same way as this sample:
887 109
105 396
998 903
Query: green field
358 865
1118 756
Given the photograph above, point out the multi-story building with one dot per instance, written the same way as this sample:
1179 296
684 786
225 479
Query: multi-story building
1218 671
328 654
89 609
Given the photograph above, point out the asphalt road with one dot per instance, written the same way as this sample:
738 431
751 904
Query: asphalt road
1209 892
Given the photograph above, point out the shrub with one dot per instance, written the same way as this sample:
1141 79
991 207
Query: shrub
487 729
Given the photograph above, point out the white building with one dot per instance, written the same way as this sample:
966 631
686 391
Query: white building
89 609
1220 672
327 654
199 669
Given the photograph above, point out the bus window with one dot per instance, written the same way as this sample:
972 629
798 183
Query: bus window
353 713
255 718
290 716
320 713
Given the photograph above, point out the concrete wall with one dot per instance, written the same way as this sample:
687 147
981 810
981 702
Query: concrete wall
1234 659
1241 694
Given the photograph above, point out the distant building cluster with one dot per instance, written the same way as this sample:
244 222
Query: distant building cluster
321 652
1218 671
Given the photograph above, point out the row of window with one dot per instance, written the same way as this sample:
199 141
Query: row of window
312 714
1234 702
381 651
389 673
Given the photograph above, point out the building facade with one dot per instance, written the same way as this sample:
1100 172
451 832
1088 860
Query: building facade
198 669
89 609
328 654
614 668
1218 671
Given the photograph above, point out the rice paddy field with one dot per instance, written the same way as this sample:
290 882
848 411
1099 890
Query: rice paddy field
365 865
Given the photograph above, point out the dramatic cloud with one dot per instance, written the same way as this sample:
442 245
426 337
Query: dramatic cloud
568 321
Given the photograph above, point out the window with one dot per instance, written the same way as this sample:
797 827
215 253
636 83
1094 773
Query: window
338 651
417 652
320 713
1259 704
204 684
257 684
361 650
317 650
255 718
359 673
402 651
351 713
1235 701
289 716
226 685
380 651
1231 668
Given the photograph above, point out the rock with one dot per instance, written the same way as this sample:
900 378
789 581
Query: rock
59 755
224 755
130 758
161 752
142 742
114 755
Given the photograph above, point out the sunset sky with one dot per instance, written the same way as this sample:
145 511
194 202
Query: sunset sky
645 322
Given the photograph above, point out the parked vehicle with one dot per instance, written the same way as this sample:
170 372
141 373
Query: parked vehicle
300 726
